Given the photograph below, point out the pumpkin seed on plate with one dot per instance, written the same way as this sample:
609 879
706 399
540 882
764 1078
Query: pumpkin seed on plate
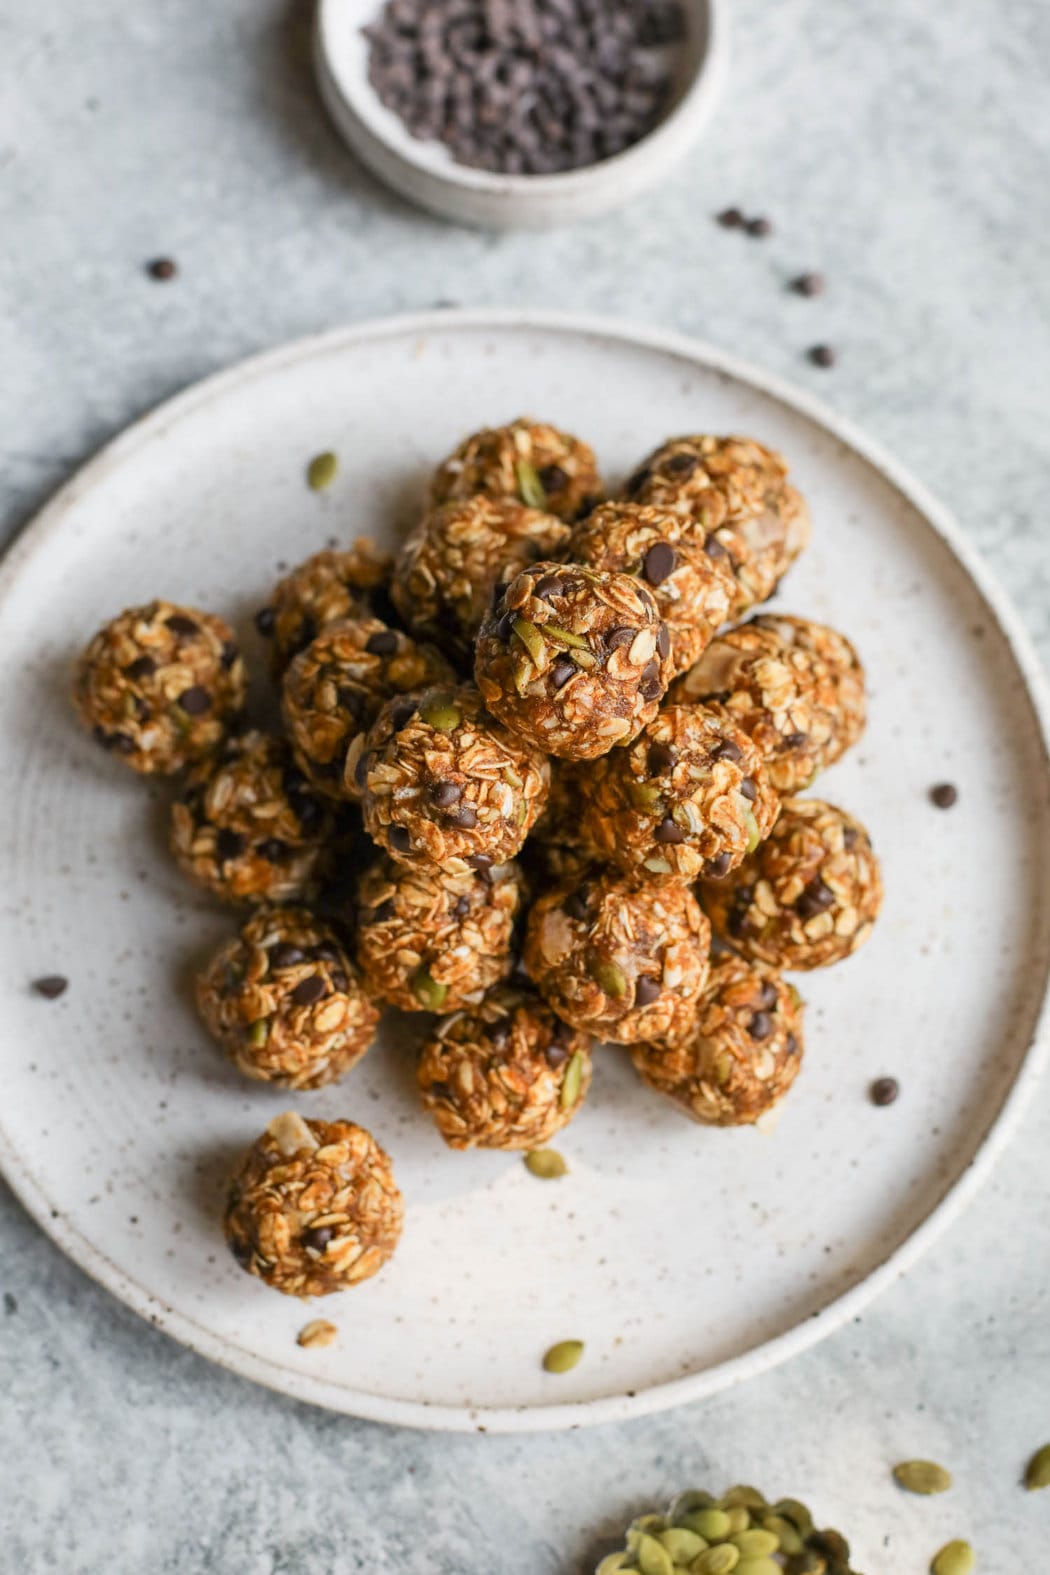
546 1163
322 471
563 1357
955 1558
1038 1473
922 1476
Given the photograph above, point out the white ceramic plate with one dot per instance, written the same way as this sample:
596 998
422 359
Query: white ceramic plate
686 1259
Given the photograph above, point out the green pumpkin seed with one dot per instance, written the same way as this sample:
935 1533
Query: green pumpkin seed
796 1001
612 1565
652 1558
531 639
658 865
790 1508
739 1519
1038 1473
759 1567
784 1531
955 1558
644 1523
753 835
712 1523
546 1163
750 1497
922 1476
322 471
566 636
689 1503
563 1357
530 487
831 1543
644 796
570 1088
716 1561
756 1544
681 1544
427 991
611 978
259 1032
442 714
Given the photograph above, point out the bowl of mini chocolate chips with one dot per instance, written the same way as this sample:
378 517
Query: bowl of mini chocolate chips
527 113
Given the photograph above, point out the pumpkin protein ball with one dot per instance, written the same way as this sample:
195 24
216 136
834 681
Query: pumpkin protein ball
693 590
806 898
573 659
444 784
527 460
738 492
285 1001
428 941
335 688
622 961
332 585
689 796
450 565
313 1207
248 827
795 687
741 1052
160 685
506 1074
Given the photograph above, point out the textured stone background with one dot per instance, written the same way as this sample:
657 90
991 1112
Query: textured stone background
903 149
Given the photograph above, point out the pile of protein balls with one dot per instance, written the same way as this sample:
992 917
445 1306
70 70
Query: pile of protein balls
571 762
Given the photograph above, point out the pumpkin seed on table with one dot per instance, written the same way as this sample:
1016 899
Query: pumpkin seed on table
746 1495
563 1357
546 1163
739 1519
756 1544
712 1524
683 1545
322 471
652 1557
922 1476
955 1558
1037 1474
722 1560
786 1534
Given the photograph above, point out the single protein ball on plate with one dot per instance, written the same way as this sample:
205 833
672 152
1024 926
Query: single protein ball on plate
796 687
737 491
334 690
527 460
313 1207
506 1074
332 585
693 590
449 567
446 785
160 685
741 1052
689 797
429 941
618 960
248 827
285 1001
574 659
807 897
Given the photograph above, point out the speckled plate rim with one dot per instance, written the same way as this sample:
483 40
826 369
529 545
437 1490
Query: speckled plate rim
31 1190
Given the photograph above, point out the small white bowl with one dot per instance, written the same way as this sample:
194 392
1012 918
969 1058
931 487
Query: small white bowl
426 173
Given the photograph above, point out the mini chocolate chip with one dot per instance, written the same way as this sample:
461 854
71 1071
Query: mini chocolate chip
461 908
361 769
228 844
552 478
576 904
651 685
681 465
273 850
119 743
562 671
714 548
316 1239
791 1045
661 758
760 1026
663 642
401 714
326 951
440 1091
350 700
808 284
715 868
180 625
162 269
141 667
638 480
793 741
309 990
850 837
265 619
730 218
230 654
748 789
669 831
497 1033
243 1252
481 864
286 955
822 355
384 913
659 562
195 701
306 810
617 637
400 840
726 749
815 898
505 628
646 991
767 995
499 591
760 228
557 1054
884 1090
944 795
339 981
445 793
51 986
465 817
383 643
550 585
